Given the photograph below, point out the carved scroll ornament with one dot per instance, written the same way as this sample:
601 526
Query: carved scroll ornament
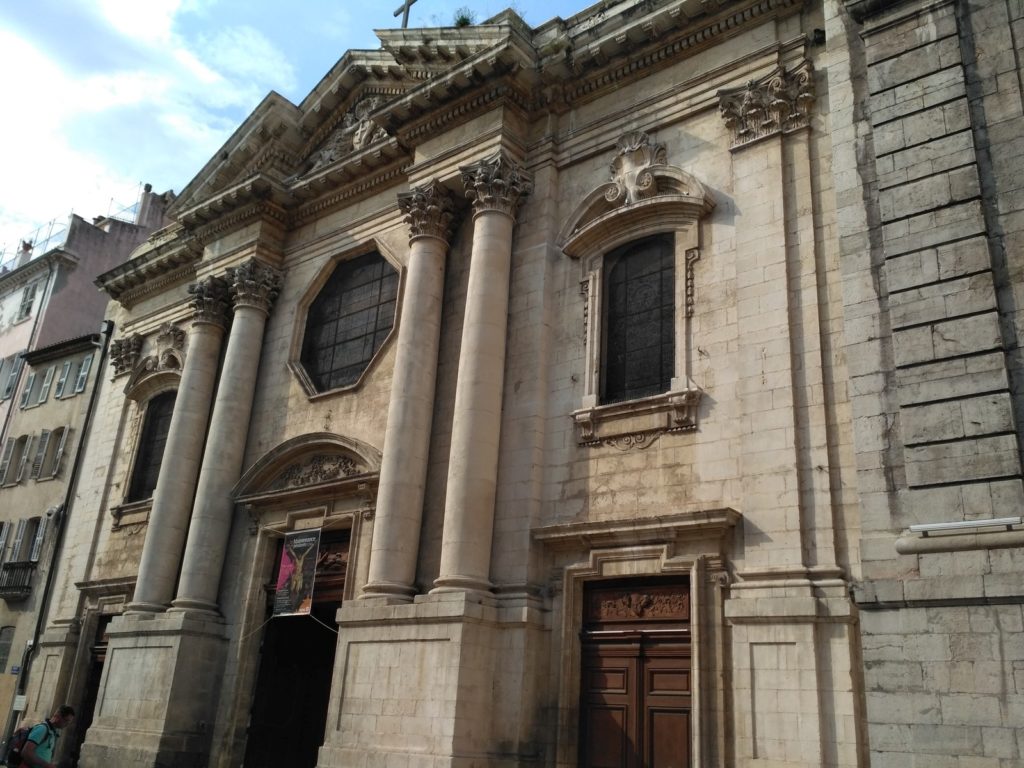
778 103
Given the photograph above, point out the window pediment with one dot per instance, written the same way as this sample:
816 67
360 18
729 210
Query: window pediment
645 195
646 200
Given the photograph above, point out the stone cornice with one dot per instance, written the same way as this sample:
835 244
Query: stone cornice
168 252
429 211
584 65
359 186
17 278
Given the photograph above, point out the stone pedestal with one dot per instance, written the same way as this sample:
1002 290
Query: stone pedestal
156 703
439 682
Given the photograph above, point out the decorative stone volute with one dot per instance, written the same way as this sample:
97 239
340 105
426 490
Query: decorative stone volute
170 344
209 301
778 103
428 210
254 284
631 176
124 354
496 184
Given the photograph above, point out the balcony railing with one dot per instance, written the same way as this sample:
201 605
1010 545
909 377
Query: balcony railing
16 580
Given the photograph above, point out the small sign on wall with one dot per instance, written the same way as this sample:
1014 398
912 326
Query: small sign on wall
19 702
15 669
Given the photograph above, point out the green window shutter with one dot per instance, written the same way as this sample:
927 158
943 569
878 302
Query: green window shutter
12 377
37 542
83 375
62 380
37 462
64 432
19 536
5 460
44 391
26 393
26 451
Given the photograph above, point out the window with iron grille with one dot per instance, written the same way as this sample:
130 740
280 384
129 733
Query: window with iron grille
348 321
639 320
150 453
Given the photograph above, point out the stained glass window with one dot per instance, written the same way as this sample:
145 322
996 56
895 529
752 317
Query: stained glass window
639 320
349 320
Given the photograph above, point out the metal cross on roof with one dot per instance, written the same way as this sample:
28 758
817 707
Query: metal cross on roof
404 11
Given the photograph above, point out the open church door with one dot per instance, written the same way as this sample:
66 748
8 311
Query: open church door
289 708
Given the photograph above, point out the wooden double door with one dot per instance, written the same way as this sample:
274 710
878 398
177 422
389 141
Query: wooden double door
635 683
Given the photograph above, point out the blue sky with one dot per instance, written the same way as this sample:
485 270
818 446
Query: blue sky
104 95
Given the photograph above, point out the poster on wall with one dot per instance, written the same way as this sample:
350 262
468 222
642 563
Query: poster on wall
294 593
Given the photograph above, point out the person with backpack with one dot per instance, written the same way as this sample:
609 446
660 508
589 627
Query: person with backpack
41 741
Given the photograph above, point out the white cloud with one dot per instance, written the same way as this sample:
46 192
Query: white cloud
158 118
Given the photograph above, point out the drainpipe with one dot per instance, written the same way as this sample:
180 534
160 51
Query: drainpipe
60 516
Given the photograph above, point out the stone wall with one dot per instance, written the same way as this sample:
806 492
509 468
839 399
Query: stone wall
928 104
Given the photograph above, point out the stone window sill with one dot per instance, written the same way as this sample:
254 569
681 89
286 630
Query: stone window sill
132 513
637 423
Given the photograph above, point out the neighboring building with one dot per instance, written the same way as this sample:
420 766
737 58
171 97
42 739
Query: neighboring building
36 461
47 293
612 361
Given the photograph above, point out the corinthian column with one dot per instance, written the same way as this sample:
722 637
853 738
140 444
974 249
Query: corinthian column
403 472
172 498
254 287
495 186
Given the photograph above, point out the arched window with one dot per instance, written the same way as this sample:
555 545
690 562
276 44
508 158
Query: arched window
639 333
151 446
6 639
348 321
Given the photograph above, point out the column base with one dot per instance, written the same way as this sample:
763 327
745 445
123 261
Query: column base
387 589
458 583
143 607
191 605
157 701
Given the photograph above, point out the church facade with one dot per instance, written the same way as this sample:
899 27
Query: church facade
611 362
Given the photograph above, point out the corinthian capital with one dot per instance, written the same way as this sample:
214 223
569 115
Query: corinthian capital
124 353
778 103
254 284
496 184
428 210
209 301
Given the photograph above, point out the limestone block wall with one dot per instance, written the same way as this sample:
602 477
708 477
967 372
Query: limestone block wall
926 140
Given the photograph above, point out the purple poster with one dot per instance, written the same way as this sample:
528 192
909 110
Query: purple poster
294 594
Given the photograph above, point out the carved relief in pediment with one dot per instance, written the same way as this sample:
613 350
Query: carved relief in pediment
355 132
318 468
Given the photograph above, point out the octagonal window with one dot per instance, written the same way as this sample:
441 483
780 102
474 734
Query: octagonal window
349 320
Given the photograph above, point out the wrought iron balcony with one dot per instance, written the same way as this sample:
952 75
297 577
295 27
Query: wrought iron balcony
16 580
